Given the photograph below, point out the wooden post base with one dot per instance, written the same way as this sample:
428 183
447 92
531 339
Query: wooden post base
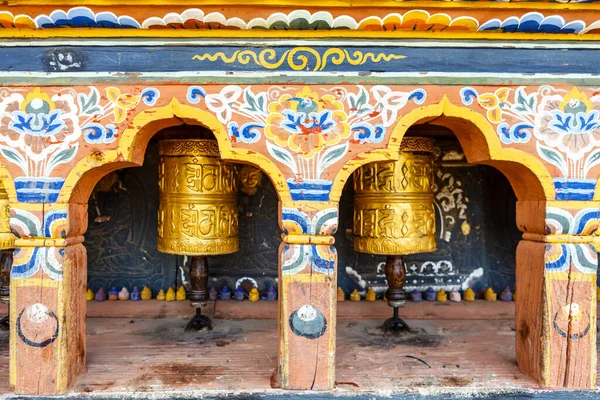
556 313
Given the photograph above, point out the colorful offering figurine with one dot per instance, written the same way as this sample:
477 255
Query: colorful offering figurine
416 296
212 293
161 295
430 294
135 294
146 293
254 295
271 294
101 295
490 295
181 294
355 296
598 292
239 294
454 296
371 295
469 295
442 296
225 293
89 295
170 295
506 294
341 296
124 294
113 294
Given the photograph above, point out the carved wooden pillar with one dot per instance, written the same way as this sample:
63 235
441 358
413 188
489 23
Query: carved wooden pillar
556 293
307 300
47 298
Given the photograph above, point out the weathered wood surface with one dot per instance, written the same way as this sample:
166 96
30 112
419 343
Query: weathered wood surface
442 357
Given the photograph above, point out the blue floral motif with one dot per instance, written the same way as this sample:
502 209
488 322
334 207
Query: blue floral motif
37 124
367 133
195 94
418 96
249 133
150 96
95 133
581 122
299 122
518 133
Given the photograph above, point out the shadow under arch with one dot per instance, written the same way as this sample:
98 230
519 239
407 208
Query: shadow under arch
527 175
132 147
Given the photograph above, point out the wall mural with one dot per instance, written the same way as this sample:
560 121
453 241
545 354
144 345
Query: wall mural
410 20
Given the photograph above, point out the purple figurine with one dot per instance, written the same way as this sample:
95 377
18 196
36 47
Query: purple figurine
212 293
225 293
271 294
430 294
239 294
506 294
416 296
135 294
100 295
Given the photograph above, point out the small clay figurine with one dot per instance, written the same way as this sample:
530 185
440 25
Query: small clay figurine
598 292
239 294
441 296
454 296
416 296
371 295
341 296
101 295
181 294
430 294
469 295
225 293
124 294
113 294
271 294
212 293
490 295
135 294
89 295
146 293
254 295
506 294
170 295
355 296
161 295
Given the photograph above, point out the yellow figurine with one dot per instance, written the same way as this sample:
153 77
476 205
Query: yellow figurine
469 295
146 293
598 293
355 296
341 296
490 295
254 295
442 297
161 295
170 296
89 295
371 295
180 296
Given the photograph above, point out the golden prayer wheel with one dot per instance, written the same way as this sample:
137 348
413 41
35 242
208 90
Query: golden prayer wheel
197 215
7 245
394 213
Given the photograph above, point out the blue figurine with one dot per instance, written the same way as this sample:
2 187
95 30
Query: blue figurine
212 293
135 294
225 293
430 294
416 296
271 294
239 294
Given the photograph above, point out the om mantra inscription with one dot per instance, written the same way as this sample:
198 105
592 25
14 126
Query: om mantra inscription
198 214
393 202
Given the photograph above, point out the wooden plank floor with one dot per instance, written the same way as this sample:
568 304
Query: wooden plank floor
155 355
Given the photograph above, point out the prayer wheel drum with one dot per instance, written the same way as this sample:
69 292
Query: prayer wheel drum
198 214
394 213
